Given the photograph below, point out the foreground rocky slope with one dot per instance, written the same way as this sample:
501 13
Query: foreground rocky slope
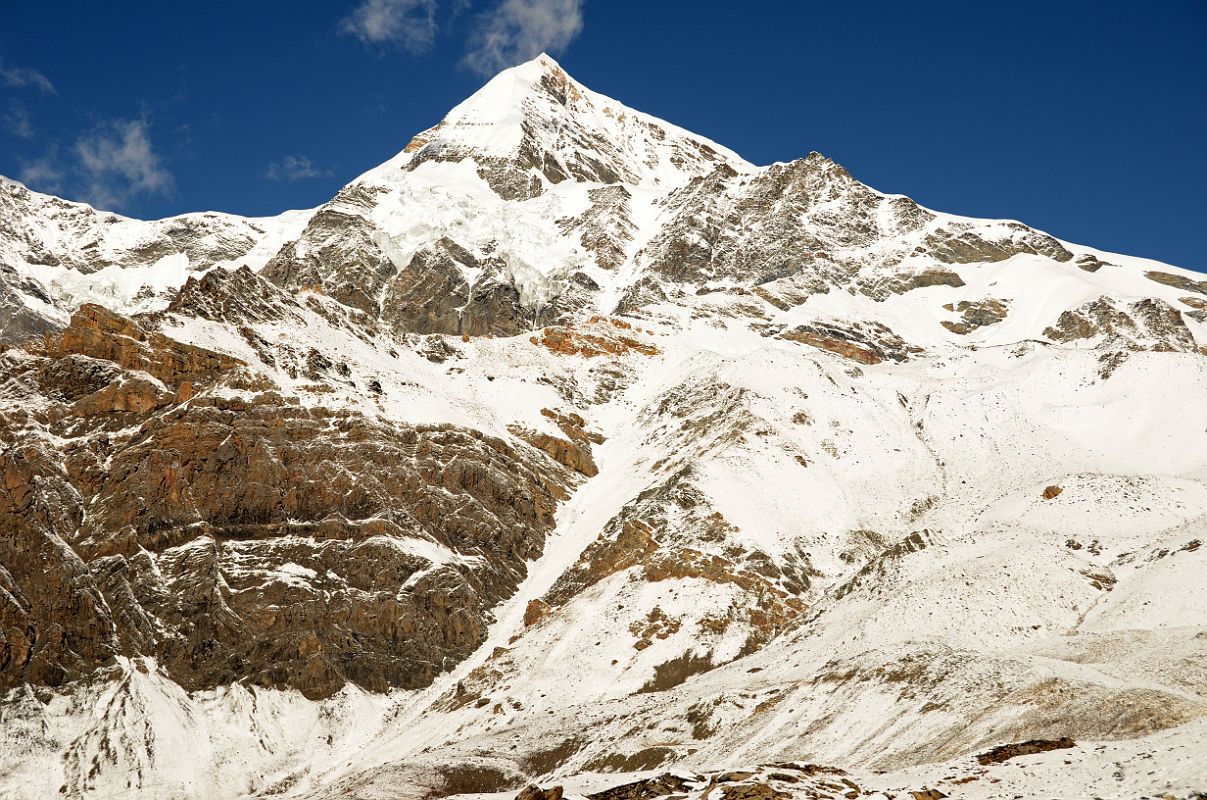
569 447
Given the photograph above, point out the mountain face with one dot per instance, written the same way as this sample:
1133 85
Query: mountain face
567 447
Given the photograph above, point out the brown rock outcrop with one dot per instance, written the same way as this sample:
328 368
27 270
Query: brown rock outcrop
1199 306
646 789
634 542
575 455
927 794
242 536
99 333
534 792
977 314
1177 281
535 611
880 289
1090 263
1008 751
600 337
865 342
1119 328
846 349
960 243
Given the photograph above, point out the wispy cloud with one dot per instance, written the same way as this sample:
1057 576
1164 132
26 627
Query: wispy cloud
409 23
17 121
117 162
518 30
42 174
20 77
294 168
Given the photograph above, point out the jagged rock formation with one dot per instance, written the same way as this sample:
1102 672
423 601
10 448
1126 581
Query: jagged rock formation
567 444
25 307
195 515
976 314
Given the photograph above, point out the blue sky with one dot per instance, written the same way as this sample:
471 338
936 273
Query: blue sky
1085 119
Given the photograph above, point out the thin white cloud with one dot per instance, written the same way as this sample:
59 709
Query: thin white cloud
18 123
294 168
519 30
42 174
409 23
20 77
117 163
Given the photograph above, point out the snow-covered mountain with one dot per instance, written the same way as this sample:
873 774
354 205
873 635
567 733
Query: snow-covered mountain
568 447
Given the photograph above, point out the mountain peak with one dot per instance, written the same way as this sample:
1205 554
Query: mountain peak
542 63
543 127
524 90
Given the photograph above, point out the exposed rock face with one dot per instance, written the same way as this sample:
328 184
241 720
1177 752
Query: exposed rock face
574 451
961 244
647 789
880 289
781 781
534 792
1177 281
757 228
337 254
19 296
1148 324
243 537
605 228
1199 306
568 453
280 504
600 336
977 314
1090 263
1008 751
868 343
238 297
1093 319
54 625
100 334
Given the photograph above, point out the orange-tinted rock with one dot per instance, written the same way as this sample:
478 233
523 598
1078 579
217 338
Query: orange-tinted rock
567 453
603 557
845 349
927 794
535 612
534 792
867 342
99 333
604 337
1008 751
574 426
